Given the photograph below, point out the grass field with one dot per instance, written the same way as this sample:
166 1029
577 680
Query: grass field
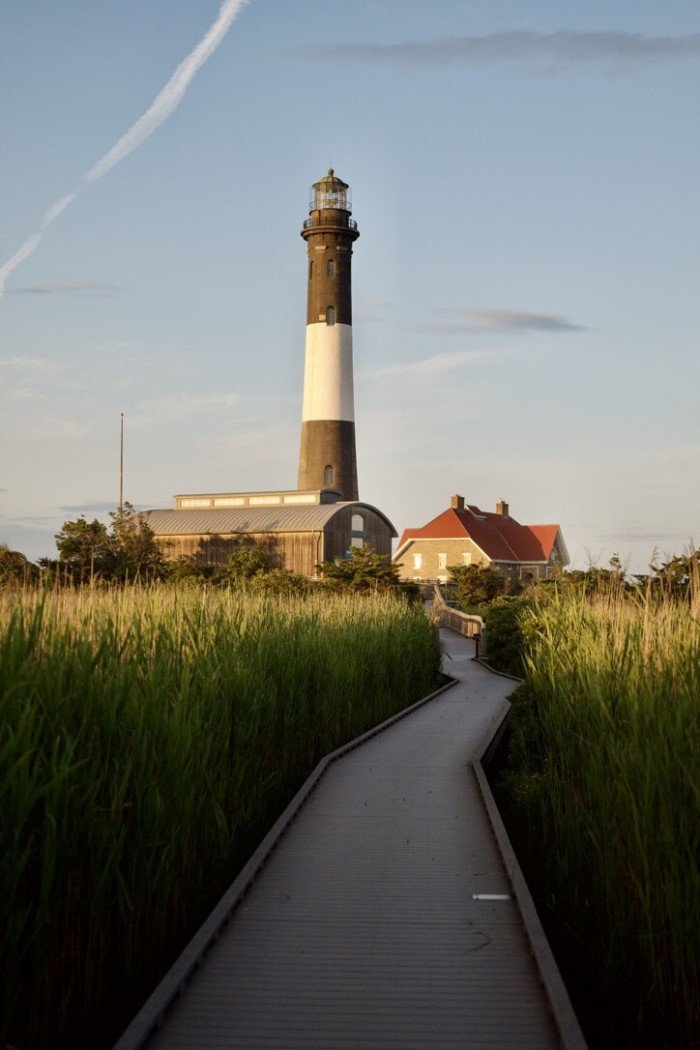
144 735
604 779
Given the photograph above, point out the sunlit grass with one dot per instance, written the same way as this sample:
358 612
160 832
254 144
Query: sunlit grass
605 747
140 732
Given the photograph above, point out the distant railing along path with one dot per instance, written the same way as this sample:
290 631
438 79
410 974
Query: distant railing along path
379 912
466 624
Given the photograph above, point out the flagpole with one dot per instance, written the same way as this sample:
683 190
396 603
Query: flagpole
121 465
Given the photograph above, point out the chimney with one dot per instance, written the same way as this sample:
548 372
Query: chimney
457 503
502 508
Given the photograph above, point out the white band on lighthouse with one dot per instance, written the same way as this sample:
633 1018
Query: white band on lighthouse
328 383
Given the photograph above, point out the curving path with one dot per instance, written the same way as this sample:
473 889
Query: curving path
362 929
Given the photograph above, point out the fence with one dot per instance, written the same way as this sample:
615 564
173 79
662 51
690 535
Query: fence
464 623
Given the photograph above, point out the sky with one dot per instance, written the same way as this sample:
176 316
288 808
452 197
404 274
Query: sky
524 178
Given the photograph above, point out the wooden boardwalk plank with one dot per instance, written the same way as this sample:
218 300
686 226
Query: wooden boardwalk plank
362 930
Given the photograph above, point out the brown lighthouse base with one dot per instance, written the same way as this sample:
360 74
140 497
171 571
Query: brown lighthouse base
327 459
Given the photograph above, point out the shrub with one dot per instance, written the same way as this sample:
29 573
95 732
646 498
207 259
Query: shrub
505 635
366 570
477 585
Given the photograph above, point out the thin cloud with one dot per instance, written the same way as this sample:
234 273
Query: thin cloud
271 442
31 518
644 534
27 393
621 52
79 287
369 311
433 365
35 366
508 321
43 428
372 304
165 102
181 406
96 506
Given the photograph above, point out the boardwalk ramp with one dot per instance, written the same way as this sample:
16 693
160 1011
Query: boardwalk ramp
384 916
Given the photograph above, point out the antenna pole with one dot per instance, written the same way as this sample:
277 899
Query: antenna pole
121 465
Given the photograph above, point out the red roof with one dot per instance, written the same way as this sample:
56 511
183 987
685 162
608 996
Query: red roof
500 537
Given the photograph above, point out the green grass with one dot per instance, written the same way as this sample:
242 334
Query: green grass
604 780
144 736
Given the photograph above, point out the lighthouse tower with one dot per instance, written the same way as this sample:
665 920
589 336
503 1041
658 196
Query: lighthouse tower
327 459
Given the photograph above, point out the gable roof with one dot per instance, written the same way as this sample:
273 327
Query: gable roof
499 536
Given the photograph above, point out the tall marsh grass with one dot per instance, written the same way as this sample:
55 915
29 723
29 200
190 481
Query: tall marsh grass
604 771
143 734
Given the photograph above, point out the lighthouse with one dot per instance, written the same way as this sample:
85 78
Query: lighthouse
322 520
327 459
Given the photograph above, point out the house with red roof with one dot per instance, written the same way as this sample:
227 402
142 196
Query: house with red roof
465 535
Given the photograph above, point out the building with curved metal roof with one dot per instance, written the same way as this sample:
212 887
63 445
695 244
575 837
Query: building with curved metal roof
300 528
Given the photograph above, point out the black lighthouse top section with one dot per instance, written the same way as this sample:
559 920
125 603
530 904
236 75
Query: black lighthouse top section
329 233
330 207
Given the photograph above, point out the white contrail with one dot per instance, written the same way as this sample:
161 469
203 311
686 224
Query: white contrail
19 256
56 209
160 109
169 98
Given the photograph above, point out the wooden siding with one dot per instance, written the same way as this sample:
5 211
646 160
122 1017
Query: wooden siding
338 533
297 551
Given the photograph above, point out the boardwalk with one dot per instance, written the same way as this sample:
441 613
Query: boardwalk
363 929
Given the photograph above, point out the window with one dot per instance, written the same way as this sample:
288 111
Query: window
357 541
417 561
311 269
467 558
331 268
329 475
442 561
358 523
330 315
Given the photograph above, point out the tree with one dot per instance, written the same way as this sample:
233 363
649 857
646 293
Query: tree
126 550
14 566
134 548
678 577
86 548
477 584
364 570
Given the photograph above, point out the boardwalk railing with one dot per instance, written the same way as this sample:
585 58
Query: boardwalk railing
466 624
